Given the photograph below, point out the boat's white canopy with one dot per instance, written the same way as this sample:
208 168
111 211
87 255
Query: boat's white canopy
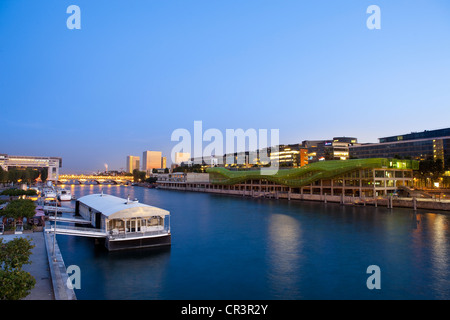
118 208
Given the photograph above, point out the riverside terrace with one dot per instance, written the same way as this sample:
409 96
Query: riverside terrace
370 181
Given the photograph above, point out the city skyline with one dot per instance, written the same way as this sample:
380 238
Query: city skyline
134 74
431 143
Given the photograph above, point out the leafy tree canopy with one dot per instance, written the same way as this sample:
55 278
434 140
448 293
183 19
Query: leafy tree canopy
15 282
18 192
20 208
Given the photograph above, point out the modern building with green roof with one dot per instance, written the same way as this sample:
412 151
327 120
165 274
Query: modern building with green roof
357 178
368 177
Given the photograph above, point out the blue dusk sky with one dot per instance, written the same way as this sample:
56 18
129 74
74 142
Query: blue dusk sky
137 70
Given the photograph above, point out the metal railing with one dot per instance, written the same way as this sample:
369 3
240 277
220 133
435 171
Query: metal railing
137 234
64 229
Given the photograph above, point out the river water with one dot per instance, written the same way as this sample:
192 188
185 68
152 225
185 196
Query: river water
226 247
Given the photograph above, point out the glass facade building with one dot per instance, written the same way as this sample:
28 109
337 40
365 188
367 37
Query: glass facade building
336 149
417 146
427 134
292 155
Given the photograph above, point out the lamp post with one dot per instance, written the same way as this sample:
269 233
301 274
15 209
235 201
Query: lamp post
54 230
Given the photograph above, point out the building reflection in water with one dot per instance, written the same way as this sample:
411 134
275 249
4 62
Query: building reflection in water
433 255
439 247
285 255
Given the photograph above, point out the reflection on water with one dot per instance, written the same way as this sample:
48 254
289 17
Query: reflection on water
146 278
285 253
227 247
440 254
430 250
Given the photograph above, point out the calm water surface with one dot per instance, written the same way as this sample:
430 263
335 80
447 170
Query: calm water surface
226 247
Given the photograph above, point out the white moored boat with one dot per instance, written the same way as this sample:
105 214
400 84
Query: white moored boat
64 195
48 193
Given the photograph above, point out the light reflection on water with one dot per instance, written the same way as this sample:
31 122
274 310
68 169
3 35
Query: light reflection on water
285 254
227 247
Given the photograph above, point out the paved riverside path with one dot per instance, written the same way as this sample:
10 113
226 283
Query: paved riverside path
39 267
58 270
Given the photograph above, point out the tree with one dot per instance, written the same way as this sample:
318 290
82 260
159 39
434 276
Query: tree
28 175
16 283
438 168
425 169
31 175
194 168
44 174
19 209
447 164
430 169
151 180
18 192
138 175
13 176
3 175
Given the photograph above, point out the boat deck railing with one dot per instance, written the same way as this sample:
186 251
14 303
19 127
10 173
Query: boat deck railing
100 233
114 235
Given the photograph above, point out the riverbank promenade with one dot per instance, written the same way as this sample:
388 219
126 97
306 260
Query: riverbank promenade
39 267
48 270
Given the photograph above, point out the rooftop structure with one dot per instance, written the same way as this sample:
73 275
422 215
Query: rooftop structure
302 176
417 135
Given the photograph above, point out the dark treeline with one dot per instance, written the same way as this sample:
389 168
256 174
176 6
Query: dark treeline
140 176
28 175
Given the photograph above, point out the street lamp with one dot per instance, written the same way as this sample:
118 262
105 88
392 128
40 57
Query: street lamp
54 226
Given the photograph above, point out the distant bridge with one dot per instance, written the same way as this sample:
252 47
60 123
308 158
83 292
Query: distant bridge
92 179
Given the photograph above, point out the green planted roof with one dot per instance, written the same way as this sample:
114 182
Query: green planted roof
299 177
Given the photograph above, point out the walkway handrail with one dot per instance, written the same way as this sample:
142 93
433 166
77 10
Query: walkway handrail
69 220
91 231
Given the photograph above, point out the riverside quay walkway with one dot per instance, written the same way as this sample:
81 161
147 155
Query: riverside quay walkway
384 182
